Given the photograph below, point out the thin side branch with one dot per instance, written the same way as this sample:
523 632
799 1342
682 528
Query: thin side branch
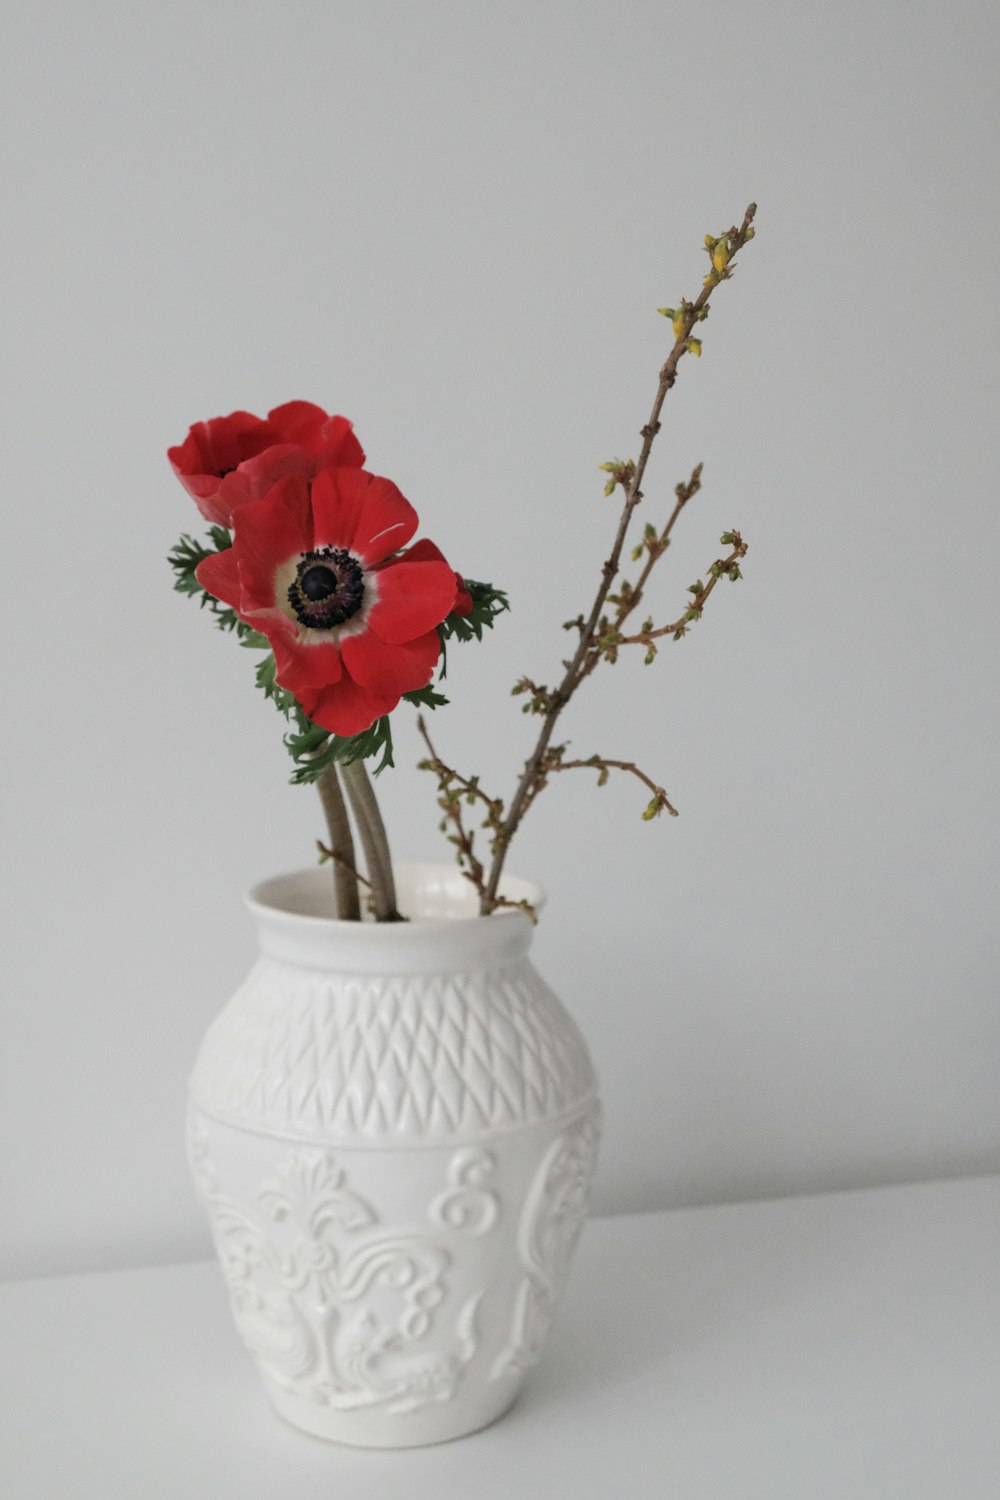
326 853
723 567
600 763
455 793
655 545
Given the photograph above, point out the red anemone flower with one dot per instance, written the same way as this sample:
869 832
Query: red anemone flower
229 461
353 627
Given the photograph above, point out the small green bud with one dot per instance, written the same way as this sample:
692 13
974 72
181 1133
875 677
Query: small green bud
696 588
667 312
727 539
609 488
650 656
637 552
716 570
694 347
653 810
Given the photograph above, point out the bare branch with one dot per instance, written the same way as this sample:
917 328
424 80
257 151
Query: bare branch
629 477
455 792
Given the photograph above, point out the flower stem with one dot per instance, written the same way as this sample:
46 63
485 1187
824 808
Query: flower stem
345 878
373 836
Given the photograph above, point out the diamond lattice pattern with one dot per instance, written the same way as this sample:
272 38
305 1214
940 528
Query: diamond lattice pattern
416 1054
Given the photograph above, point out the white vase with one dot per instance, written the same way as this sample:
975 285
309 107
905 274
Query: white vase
393 1128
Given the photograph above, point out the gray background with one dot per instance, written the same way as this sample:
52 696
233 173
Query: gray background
454 222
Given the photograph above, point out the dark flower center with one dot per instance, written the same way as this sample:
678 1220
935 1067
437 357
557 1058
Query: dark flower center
328 589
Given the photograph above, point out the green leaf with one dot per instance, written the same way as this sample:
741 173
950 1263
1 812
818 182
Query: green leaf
487 603
426 697
265 678
313 748
184 559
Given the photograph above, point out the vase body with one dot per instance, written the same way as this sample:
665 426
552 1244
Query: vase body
393 1128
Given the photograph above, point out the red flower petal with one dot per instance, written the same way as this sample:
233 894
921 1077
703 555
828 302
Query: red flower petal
256 476
355 509
423 551
463 599
302 669
219 445
330 440
396 669
412 598
338 497
298 422
211 451
219 574
386 522
341 448
268 533
348 708
426 551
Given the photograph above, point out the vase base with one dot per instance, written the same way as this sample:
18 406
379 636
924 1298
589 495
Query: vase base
380 1429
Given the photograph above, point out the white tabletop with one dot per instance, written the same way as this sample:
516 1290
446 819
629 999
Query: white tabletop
839 1347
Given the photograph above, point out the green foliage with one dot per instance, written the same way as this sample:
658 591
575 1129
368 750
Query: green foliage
487 603
426 697
313 748
185 557
265 678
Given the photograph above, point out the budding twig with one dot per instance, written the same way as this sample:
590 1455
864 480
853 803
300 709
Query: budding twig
593 644
723 567
599 763
456 791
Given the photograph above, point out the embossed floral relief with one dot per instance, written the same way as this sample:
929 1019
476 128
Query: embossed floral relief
335 1307
553 1215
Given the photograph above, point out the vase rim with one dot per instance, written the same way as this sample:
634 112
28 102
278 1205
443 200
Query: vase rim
438 892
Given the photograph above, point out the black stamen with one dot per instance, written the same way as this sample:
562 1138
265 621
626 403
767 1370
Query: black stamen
328 589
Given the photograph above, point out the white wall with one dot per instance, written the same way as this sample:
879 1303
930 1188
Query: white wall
454 223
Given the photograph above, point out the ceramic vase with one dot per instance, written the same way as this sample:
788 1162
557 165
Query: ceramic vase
393 1129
